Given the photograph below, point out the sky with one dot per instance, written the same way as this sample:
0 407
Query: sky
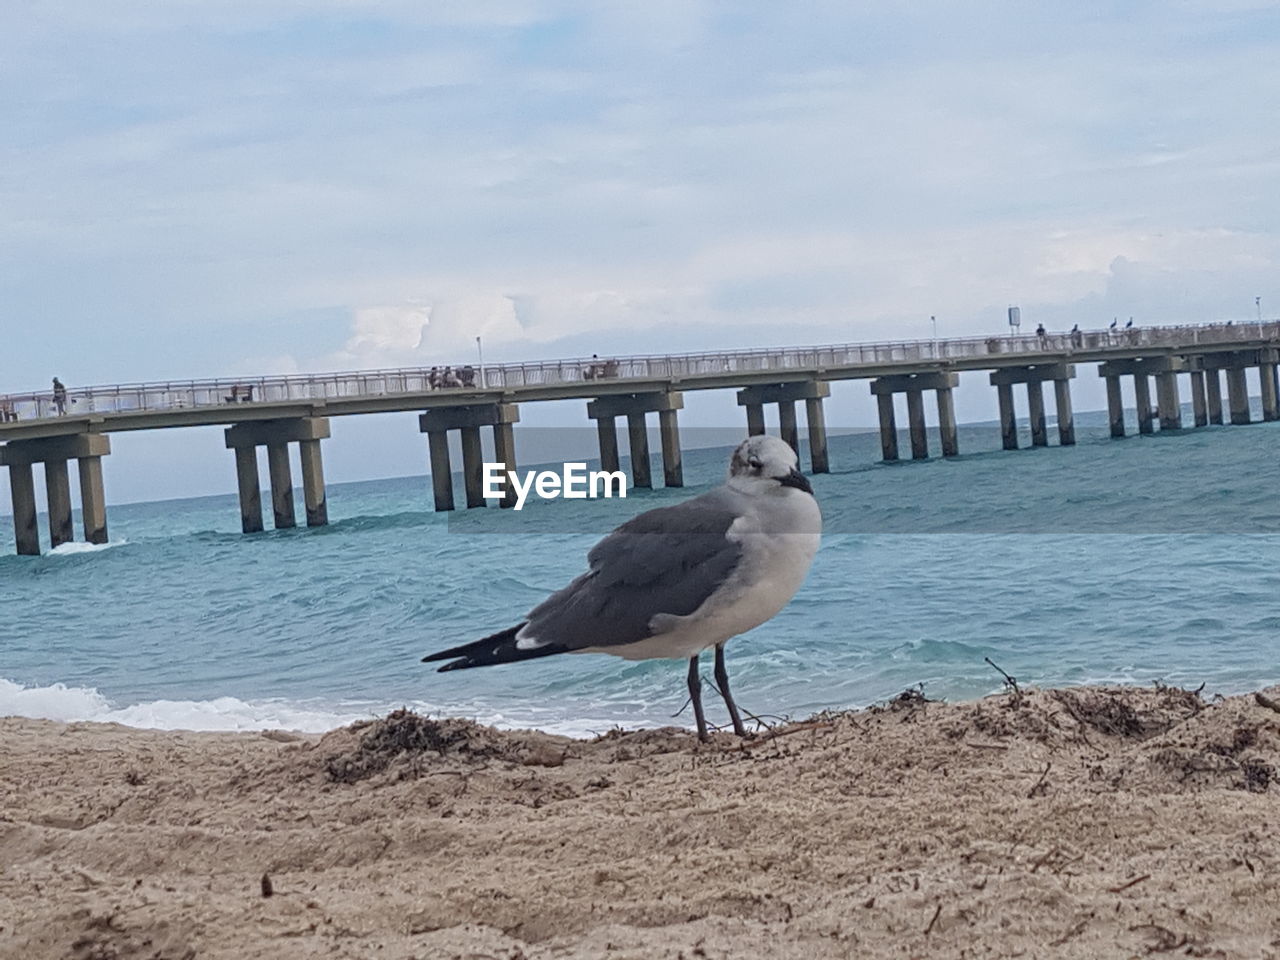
195 189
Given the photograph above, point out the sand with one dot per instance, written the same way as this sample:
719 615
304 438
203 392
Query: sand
1084 823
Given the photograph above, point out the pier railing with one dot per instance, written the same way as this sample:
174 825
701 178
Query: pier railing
185 394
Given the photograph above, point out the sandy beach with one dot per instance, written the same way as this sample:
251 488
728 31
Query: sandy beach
1090 822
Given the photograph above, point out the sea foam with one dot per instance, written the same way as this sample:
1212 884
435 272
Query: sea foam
61 702
74 548
69 704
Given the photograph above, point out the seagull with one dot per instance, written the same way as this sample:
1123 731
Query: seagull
671 582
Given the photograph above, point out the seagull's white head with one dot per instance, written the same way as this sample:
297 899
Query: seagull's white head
764 463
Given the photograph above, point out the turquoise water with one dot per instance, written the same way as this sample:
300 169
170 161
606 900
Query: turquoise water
1136 560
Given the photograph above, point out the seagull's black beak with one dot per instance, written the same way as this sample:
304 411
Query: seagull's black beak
796 479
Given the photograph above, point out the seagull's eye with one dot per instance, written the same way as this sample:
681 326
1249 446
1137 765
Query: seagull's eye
755 463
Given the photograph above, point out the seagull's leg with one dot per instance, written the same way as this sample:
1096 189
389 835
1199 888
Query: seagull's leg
695 697
722 681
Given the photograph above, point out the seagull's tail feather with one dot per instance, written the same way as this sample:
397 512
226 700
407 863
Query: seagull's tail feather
498 648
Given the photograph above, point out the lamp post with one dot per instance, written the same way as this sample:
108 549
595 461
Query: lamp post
480 353
1257 302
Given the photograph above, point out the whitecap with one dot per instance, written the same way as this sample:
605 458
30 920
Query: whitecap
74 548
69 704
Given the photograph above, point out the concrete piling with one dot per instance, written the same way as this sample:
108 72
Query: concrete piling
472 466
250 491
1167 400
914 385
57 485
1008 416
1213 393
276 435
1115 406
468 419
1035 413
1267 377
1035 376
888 428
1142 369
1066 419
916 425
1238 395
441 469
786 395
20 456
607 431
669 431
504 449
1142 395
947 429
93 504
1199 407
638 443
26 530
313 493
816 422
1236 364
636 407
281 476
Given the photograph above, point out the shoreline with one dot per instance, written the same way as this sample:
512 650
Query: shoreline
1081 822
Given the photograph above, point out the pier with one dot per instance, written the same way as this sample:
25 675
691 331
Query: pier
275 412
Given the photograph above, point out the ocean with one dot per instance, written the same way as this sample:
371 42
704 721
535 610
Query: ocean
1135 561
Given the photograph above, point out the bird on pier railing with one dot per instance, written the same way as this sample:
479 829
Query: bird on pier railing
672 582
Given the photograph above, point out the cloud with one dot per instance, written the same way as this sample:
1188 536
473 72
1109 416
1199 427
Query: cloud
379 183
384 336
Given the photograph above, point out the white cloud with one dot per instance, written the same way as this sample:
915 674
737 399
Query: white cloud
538 173
384 336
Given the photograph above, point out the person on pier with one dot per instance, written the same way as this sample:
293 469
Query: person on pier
59 397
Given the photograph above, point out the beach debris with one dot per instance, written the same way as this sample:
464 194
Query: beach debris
907 702
776 732
1010 682
405 734
1074 930
1130 883
1264 701
406 745
1113 713
1163 940
1258 775
936 914
1041 786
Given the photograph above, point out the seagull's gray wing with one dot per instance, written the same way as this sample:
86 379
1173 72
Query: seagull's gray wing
664 561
